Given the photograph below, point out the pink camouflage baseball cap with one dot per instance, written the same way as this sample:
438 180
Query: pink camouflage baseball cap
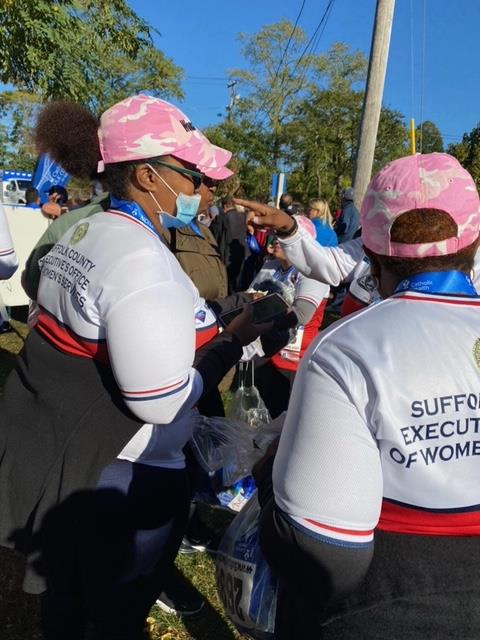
143 127
429 181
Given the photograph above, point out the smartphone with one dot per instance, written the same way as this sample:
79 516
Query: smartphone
264 309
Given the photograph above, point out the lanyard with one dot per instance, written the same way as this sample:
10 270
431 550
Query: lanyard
193 226
446 282
284 276
133 210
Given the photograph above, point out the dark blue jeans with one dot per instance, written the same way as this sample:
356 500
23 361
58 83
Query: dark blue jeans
107 552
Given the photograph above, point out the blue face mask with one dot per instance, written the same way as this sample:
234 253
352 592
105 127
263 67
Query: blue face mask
187 207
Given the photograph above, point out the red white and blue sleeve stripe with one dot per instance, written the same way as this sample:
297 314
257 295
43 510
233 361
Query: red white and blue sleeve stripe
156 393
339 536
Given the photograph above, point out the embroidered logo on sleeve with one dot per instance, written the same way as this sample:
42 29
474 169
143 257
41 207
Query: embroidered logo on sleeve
79 233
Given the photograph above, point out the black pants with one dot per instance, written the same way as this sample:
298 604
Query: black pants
107 557
417 588
275 386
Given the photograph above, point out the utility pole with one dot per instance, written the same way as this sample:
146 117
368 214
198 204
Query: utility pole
372 102
233 98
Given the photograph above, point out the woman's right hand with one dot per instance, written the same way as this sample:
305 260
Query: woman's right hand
244 329
265 216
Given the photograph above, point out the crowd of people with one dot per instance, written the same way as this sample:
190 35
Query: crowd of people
369 498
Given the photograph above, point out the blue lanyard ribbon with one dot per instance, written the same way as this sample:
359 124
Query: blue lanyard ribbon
133 210
194 227
440 282
282 275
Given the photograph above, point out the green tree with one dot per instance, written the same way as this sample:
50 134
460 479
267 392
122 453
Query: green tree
3 144
86 51
340 68
251 148
299 112
428 137
392 138
467 152
17 149
460 150
75 49
322 143
324 136
276 78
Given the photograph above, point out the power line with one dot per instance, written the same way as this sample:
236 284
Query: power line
422 89
312 44
412 65
219 78
212 78
203 83
277 71
202 108
452 135
316 41
289 40
323 19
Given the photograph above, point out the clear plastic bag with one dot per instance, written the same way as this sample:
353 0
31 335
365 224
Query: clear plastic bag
245 584
267 433
248 406
222 443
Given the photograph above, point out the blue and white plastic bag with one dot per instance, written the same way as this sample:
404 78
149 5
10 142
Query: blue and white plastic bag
245 584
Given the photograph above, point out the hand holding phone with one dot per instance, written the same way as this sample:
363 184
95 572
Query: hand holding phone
264 309
243 328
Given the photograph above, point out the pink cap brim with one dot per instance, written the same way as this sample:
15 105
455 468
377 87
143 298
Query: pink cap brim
208 158
220 173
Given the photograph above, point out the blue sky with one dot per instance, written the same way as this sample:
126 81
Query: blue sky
201 38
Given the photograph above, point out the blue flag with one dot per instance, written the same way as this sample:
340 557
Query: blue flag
47 174
279 185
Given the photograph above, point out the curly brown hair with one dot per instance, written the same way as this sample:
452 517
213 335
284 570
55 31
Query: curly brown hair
425 225
68 133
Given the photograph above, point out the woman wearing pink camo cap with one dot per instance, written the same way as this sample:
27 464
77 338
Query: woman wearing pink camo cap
93 488
374 522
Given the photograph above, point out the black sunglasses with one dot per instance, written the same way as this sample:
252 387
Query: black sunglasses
196 177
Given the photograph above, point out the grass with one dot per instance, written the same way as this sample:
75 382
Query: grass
19 612
20 615
10 345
